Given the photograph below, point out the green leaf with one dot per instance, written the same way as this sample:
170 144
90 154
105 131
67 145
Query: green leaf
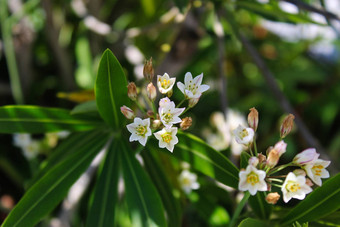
205 159
33 119
111 90
89 108
158 176
244 159
251 222
321 202
259 205
143 200
102 211
45 195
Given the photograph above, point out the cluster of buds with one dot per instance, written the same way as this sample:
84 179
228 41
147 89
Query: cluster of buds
261 172
162 123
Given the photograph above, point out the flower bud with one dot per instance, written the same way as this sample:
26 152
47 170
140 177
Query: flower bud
309 182
151 91
186 123
128 113
156 124
272 197
299 172
262 158
148 70
193 102
307 156
132 91
253 118
287 125
253 161
169 94
273 158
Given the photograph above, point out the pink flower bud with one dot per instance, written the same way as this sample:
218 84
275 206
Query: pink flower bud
305 157
280 147
287 125
253 118
128 113
193 102
272 198
151 91
148 70
275 153
132 91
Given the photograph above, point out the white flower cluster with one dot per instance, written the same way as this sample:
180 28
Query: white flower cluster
168 114
260 174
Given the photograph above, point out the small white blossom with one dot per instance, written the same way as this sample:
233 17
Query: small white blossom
21 139
165 83
244 135
140 130
168 113
317 170
192 88
167 138
188 181
31 150
307 156
252 180
295 187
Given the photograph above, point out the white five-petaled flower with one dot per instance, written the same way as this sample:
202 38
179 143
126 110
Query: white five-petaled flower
168 113
140 130
243 135
252 180
192 88
317 170
307 156
188 181
295 187
167 138
165 83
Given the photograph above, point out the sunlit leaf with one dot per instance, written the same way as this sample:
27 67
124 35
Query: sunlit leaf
45 195
34 119
111 90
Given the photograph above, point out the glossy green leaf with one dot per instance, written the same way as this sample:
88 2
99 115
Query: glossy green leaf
244 157
144 203
259 205
33 119
66 148
206 159
45 195
321 202
111 90
102 211
89 108
251 222
158 176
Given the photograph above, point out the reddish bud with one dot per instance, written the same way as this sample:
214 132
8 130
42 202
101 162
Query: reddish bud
148 70
128 113
253 118
186 123
287 125
132 91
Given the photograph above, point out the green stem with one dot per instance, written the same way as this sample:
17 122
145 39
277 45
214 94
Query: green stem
255 147
239 209
179 104
279 168
251 151
140 107
154 109
6 29
276 185
185 110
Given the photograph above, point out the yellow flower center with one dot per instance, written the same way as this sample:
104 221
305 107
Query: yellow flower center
192 87
186 181
166 137
165 83
252 178
141 130
167 117
244 133
292 186
317 169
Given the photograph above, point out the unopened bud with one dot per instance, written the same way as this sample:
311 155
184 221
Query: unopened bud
148 70
253 161
287 125
128 113
309 182
273 158
156 124
186 123
132 91
193 102
151 91
272 197
262 158
169 94
299 172
253 118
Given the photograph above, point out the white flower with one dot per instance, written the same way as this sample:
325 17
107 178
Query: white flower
188 181
140 130
167 138
192 88
21 139
244 135
307 156
31 150
295 187
165 83
168 113
317 170
252 180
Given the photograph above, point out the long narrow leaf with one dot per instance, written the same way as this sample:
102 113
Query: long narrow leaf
102 211
321 202
33 119
259 205
143 200
206 160
45 195
111 90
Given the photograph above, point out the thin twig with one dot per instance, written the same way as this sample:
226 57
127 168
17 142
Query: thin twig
305 6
